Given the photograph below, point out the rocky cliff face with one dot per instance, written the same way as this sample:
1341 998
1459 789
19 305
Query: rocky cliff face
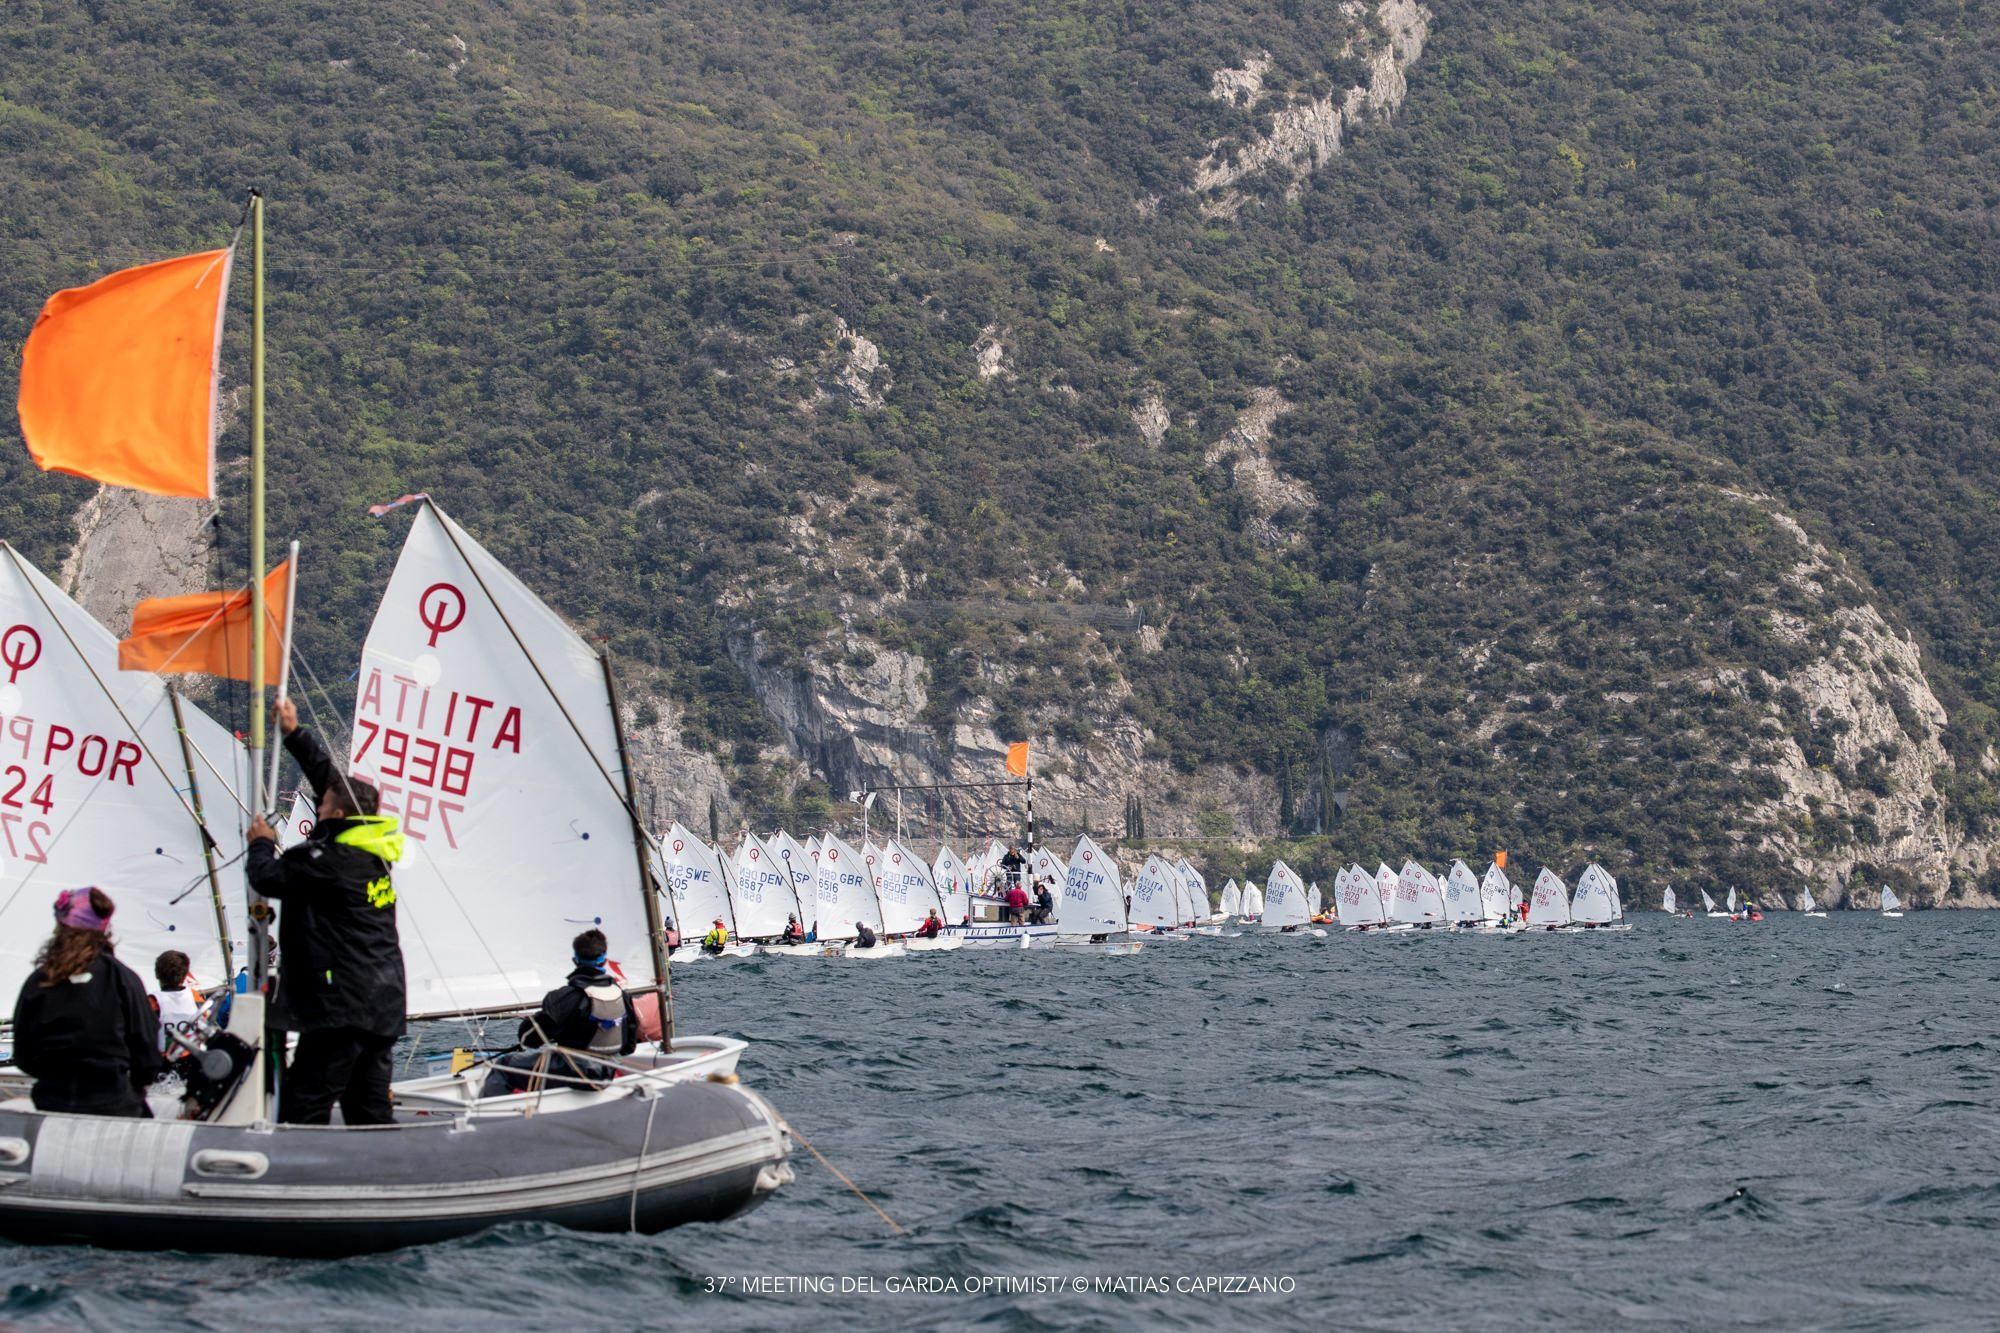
132 546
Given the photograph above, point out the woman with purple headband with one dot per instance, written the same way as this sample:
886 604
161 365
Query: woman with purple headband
82 1026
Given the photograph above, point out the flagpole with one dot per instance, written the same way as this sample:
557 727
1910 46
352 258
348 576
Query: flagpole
284 651
260 912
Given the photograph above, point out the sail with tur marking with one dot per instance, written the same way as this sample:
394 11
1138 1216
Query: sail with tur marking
92 787
487 723
1596 900
1462 903
1418 898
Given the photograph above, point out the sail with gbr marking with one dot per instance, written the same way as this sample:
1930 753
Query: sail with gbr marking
846 893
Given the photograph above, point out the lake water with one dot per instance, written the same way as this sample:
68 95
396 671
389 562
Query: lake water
1694 1124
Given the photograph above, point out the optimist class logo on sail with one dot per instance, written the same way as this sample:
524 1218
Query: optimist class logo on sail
421 743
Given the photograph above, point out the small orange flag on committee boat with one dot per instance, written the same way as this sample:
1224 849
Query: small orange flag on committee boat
1017 759
118 378
207 632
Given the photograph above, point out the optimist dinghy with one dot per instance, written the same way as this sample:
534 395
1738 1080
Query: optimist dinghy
534 806
1548 909
1708 904
1892 906
1090 915
1808 907
1285 903
1596 905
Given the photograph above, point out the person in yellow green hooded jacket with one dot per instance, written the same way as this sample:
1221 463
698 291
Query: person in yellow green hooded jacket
340 981
717 938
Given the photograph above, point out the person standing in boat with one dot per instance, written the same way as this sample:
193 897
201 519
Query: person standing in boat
341 988
588 1015
1017 905
82 1026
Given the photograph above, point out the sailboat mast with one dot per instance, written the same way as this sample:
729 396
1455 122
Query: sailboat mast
656 935
260 912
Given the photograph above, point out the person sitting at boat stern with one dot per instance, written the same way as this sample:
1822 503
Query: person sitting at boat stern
794 932
864 937
82 1026
1045 906
932 926
590 1012
175 1001
717 938
341 987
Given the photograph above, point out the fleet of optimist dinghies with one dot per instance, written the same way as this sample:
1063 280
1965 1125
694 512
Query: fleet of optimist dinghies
824 898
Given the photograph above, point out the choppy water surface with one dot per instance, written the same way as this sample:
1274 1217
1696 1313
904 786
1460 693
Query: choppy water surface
1697 1123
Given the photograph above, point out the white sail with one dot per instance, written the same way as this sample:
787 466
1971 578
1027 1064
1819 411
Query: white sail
954 883
1595 902
90 790
1284 898
1497 894
1730 901
1093 894
692 873
486 722
1806 903
1385 889
1707 903
1313 901
1253 899
1156 896
904 885
1890 902
762 897
1232 899
1355 899
798 862
1461 894
1044 865
1197 888
846 895
1550 906
1418 898
299 821
1667 903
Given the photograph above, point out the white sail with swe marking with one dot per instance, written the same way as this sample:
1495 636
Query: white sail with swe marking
692 873
1093 893
1550 905
846 894
92 782
486 722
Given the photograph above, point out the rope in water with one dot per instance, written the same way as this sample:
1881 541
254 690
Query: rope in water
842 1177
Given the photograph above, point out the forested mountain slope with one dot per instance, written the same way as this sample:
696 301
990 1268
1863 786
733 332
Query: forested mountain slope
1555 426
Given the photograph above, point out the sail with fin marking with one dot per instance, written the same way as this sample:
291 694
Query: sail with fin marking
487 723
92 781
1093 893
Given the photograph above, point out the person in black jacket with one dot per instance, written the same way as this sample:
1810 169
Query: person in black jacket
340 980
590 1012
82 1026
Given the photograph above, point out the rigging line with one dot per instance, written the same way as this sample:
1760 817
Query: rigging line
840 1175
631 812
639 1164
209 764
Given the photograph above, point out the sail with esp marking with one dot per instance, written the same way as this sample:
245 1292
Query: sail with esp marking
799 865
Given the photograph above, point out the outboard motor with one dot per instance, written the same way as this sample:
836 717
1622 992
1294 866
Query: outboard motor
216 1063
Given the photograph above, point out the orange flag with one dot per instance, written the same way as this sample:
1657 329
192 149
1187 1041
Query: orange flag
1500 858
1017 759
208 632
118 378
